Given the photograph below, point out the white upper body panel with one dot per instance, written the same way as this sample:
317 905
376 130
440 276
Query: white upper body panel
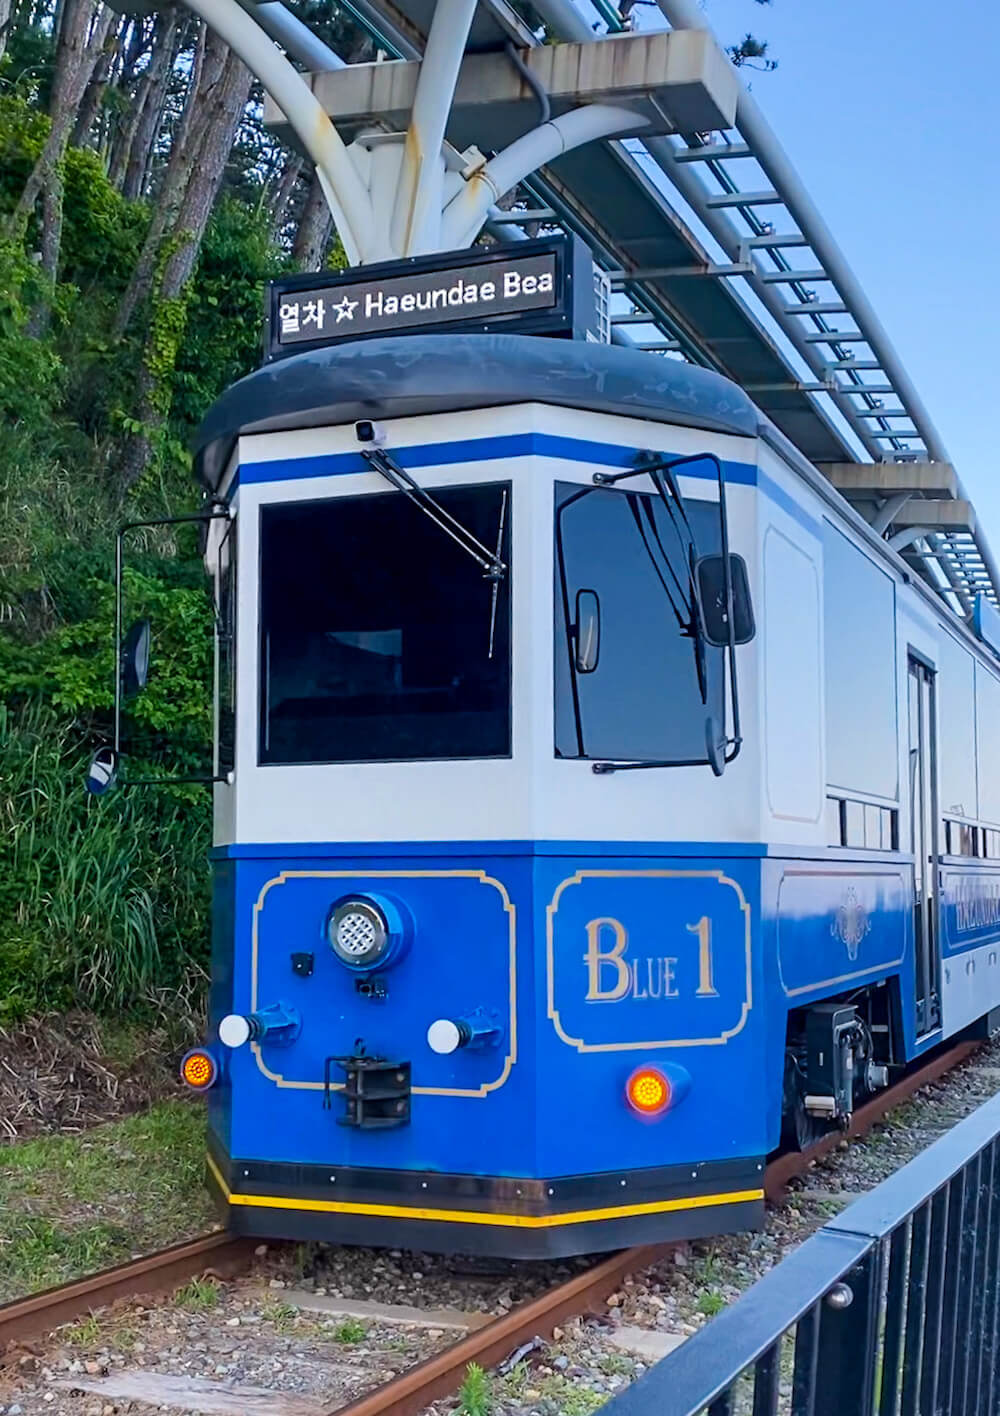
532 795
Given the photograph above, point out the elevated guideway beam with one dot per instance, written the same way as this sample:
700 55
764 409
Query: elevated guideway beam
712 209
955 561
787 190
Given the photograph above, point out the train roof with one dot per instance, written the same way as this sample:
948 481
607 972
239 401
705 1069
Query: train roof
404 375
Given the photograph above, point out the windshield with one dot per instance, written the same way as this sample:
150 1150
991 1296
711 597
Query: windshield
645 700
381 639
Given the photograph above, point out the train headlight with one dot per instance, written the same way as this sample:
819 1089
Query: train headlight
359 933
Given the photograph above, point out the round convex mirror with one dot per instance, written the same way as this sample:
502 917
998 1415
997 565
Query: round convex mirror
102 771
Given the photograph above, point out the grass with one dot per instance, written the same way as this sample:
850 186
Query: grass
198 1296
71 1204
284 1316
101 902
84 1334
350 1330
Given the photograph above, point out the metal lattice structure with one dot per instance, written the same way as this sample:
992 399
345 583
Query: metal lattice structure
764 296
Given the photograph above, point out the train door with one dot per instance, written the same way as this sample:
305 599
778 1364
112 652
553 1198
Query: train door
923 840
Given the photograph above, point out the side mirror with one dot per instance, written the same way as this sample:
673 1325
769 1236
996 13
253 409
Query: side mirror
711 575
715 744
135 658
587 631
102 771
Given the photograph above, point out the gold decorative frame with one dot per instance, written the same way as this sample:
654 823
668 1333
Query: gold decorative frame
840 978
483 879
550 913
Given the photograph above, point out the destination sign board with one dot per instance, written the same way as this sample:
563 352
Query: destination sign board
530 287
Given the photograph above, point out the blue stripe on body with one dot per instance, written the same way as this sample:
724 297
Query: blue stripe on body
344 464
781 498
247 850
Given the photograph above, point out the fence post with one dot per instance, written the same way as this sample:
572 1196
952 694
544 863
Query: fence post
848 1336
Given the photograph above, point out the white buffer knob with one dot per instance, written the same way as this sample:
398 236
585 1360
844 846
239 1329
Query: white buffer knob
234 1030
444 1036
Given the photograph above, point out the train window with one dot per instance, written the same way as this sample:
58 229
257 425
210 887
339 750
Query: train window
381 640
654 686
861 825
963 839
854 827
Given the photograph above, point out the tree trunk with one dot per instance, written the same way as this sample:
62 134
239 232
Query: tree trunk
93 94
82 34
315 226
290 174
131 159
5 23
221 95
183 155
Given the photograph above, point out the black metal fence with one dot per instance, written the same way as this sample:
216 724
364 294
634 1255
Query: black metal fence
891 1309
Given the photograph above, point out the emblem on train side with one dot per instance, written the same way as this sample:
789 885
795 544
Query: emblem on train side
850 923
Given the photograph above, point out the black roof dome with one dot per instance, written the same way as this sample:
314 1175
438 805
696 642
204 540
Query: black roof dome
403 375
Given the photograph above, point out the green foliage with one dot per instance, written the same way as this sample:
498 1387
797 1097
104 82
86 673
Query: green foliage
222 336
199 1295
350 1331
70 1204
101 900
30 370
104 901
475 1397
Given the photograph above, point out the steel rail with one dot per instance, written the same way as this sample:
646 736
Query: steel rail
442 1375
224 1256
152 1275
439 1376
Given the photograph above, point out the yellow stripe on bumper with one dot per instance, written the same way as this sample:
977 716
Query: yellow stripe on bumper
518 1221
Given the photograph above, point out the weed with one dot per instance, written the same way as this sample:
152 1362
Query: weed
706 1271
515 1381
350 1330
475 1397
85 1333
711 1302
125 1338
616 1364
198 1295
570 1398
282 1315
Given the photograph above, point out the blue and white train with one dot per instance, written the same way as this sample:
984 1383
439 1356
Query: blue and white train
603 798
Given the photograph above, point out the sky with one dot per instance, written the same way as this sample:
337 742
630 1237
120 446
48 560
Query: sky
890 111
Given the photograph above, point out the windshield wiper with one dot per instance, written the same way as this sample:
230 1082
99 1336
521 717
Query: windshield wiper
380 461
661 473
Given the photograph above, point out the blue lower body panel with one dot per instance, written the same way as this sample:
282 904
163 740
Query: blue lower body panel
577 970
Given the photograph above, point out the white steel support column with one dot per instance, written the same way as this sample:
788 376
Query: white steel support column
417 218
345 192
466 213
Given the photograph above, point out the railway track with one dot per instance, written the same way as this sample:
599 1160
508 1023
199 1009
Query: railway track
158 1275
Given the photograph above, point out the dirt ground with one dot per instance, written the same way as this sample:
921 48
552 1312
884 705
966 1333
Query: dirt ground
65 1074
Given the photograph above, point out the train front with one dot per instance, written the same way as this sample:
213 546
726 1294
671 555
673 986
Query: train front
483 967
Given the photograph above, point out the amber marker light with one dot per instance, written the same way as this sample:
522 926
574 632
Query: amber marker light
199 1069
648 1091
